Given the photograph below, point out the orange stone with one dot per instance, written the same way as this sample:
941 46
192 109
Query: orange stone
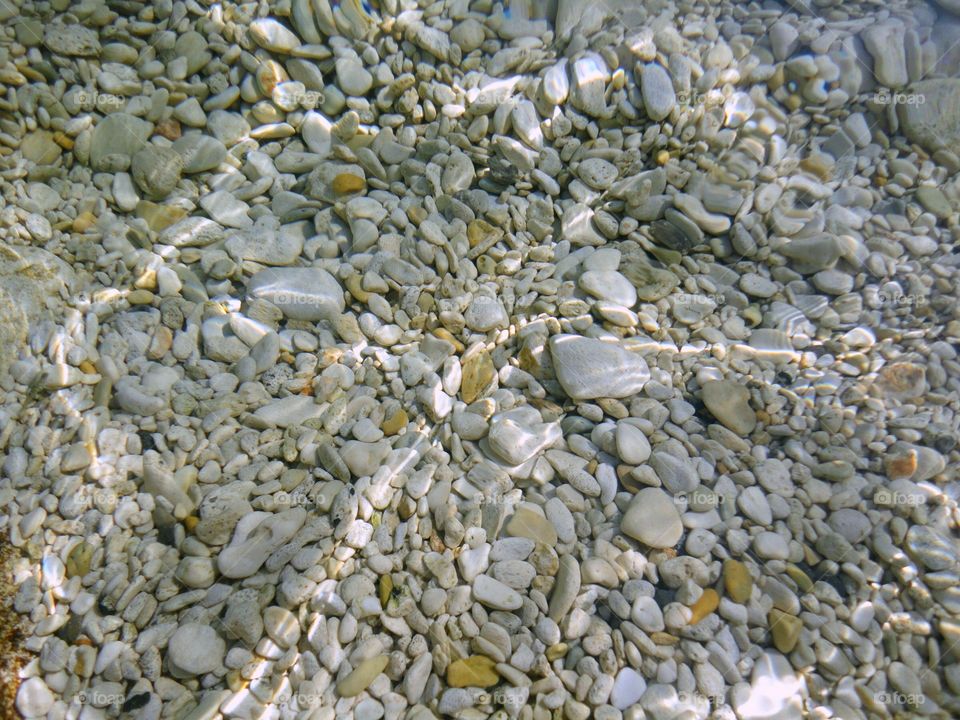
169 128
901 466
346 183
707 603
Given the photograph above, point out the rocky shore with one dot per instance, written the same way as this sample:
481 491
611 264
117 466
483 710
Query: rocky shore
410 360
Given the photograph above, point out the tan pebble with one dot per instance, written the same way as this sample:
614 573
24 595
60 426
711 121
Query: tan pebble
395 423
64 141
140 297
478 373
84 221
901 465
785 629
347 183
662 638
169 128
445 334
737 581
529 524
473 671
361 677
478 231
386 589
707 603
556 651
800 578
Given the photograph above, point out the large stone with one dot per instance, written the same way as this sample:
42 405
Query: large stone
29 279
115 140
156 170
587 368
195 649
657 88
653 519
930 113
517 435
301 293
729 402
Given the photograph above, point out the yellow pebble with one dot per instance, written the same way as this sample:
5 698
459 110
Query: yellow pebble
800 578
663 157
84 221
346 183
662 638
556 651
707 603
386 588
737 580
190 522
473 671
395 423
63 141
785 630
445 334
140 297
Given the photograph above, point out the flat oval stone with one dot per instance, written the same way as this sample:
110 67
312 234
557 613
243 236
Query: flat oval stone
587 368
271 35
659 97
300 293
494 594
361 677
729 402
609 285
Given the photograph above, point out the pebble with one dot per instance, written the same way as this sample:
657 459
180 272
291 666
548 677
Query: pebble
653 519
473 671
659 97
34 699
195 649
588 369
729 402
156 170
494 594
737 581
299 293
360 678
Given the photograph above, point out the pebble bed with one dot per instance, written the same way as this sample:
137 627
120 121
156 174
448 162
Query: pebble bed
451 360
